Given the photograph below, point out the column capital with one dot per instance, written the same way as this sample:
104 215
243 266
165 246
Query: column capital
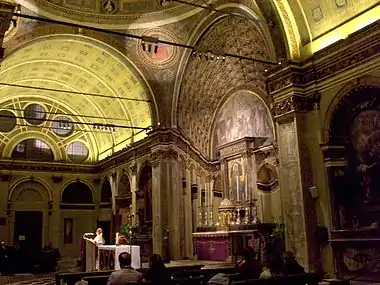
133 169
295 103
168 153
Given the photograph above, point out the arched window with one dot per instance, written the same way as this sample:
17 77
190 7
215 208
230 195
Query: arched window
77 193
33 149
77 152
106 192
124 186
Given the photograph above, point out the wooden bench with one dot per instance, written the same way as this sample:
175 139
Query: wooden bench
300 279
72 278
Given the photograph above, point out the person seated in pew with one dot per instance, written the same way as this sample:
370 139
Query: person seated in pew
126 274
249 267
291 265
157 272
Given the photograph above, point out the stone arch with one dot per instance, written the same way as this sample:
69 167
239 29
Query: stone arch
16 139
40 186
254 98
144 195
206 83
250 12
339 99
70 195
267 178
124 185
106 192
354 183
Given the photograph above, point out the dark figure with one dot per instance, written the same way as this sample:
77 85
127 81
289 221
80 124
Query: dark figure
249 267
291 265
126 274
157 272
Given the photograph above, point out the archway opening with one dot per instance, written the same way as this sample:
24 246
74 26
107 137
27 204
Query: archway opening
144 198
77 193
355 136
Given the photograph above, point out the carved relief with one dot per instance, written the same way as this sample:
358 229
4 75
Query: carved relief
243 115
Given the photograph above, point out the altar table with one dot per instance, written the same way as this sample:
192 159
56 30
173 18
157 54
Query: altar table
109 256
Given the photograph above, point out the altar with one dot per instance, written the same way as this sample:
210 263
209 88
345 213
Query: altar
108 256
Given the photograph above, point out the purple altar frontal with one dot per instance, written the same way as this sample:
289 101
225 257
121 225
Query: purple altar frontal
225 245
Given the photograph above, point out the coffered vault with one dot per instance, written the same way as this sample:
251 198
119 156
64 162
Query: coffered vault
78 64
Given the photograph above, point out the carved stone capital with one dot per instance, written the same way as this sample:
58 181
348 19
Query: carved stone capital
296 104
133 169
164 154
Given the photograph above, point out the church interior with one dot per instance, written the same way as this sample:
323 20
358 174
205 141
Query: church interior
205 125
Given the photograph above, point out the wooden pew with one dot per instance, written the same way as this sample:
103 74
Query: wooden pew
96 280
300 279
102 280
72 278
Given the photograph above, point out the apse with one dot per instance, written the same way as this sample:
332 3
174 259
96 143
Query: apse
243 114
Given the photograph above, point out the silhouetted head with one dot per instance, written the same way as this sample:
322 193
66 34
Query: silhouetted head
249 254
125 259
156 262
289 256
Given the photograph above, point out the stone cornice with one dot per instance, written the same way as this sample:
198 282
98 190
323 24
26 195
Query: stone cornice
34 166
335 59
296 104
142 148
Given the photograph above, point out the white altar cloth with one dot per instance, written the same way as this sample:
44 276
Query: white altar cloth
135 255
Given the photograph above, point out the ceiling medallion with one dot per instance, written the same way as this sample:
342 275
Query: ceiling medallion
109 6
162 56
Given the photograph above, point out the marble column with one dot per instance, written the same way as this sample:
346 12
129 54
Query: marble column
133 169
166 184
296 177
188 208
211 201
199 201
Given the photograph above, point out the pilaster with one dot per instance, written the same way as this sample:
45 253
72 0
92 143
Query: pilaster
55 217
166 198
133 169
290 110
188 207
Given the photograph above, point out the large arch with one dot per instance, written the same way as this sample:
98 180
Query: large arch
253 15
206 82
75 63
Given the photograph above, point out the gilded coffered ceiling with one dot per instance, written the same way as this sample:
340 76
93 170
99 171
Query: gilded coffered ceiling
89 68
132 14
